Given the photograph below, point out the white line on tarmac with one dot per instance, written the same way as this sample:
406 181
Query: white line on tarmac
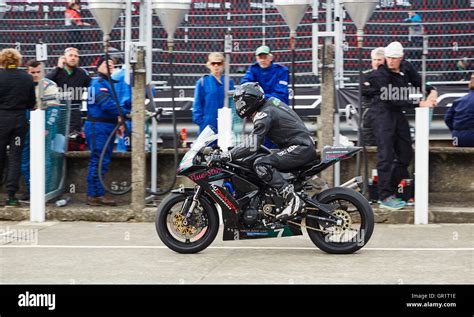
229 248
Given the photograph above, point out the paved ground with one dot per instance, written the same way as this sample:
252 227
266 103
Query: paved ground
108 253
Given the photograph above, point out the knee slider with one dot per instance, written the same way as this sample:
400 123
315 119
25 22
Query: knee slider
264 171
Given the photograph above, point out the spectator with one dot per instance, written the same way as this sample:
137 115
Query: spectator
124 95
69 76
17 94
460 118
73 19
394 150
368 92
102 117
463 67
272 77
34 68
416 29
209 93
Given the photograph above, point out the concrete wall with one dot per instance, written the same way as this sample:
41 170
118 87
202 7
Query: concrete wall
451 172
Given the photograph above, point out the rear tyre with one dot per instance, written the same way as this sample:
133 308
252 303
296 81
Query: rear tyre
190 237
357 226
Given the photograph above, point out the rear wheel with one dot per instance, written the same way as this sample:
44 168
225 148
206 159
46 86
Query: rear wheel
356 227
190 236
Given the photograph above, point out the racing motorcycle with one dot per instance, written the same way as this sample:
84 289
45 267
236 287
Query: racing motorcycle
338 220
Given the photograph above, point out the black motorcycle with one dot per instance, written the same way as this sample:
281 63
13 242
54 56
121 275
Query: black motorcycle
338 220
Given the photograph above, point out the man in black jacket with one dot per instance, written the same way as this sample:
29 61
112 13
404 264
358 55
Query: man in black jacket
368 91
395 81
71 78
275 120
17 95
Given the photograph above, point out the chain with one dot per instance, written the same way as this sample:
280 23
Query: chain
307 227
298 224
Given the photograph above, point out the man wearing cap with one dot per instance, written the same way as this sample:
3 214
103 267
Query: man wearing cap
71 78
102 117
272 77
392 81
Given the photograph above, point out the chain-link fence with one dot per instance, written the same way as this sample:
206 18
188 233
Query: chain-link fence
449 25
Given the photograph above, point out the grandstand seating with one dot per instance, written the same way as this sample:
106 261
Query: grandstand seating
449 25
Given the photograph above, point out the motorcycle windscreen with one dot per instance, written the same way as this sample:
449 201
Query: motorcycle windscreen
206 137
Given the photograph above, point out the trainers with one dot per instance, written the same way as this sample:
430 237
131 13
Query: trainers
12 202
392 203
292 200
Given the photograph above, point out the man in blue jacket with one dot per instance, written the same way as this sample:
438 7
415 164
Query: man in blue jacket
460 119
102 117
272 77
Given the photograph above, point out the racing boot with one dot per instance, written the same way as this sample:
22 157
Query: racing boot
293 202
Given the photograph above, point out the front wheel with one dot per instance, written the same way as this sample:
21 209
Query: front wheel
193 235
357 222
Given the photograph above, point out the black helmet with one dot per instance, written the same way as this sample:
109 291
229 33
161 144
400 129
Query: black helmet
248 98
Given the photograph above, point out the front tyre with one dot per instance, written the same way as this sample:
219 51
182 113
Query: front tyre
190 236
357 222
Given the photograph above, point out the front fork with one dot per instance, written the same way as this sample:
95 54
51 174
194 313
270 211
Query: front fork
189 205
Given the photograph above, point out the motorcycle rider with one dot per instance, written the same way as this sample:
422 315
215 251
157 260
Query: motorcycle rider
275 120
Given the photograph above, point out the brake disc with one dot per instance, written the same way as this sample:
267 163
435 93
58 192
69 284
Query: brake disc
186 231
346 221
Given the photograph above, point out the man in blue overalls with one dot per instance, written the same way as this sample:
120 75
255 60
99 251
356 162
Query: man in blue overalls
102 117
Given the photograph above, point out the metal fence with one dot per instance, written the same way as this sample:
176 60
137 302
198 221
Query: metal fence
448 24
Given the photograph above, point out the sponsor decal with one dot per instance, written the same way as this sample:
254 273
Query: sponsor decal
223 198
199 176
259 116
257 233
288 150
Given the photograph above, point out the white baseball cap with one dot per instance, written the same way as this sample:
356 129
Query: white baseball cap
394 49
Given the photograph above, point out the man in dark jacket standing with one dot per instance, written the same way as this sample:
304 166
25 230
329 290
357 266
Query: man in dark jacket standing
17 94
368 91
395 81
71 78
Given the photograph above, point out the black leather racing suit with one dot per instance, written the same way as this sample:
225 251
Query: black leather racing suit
283 127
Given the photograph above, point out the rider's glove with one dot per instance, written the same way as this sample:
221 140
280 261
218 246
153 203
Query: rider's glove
220 158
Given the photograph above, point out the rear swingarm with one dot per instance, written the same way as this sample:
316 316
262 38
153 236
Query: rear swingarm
325 209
